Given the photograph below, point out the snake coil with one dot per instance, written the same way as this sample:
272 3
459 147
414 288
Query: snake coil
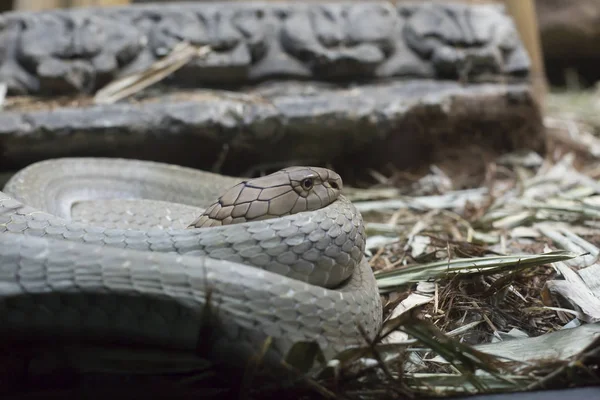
126 251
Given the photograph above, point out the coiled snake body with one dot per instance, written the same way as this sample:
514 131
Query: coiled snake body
101 250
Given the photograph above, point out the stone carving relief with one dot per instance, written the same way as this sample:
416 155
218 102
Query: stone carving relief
80 50
12 73
341 40
75 53
462 41
236 37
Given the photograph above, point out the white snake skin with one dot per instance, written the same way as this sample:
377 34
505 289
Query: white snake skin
97 250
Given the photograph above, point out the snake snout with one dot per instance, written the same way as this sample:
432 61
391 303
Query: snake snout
288 191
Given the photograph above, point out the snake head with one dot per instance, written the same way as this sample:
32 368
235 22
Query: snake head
288 191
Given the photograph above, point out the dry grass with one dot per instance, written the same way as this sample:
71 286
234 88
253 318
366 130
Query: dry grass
469 263
519 204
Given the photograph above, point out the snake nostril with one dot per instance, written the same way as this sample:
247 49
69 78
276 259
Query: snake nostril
334 185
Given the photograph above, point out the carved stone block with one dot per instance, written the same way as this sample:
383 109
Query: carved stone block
404 123
356 84
80 50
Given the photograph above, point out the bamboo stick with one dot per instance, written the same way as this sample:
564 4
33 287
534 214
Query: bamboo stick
523 12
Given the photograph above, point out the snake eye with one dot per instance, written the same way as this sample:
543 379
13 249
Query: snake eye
307 183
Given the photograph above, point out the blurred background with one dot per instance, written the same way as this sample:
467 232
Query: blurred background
562 36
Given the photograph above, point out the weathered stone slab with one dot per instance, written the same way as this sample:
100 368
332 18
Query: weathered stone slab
358 84
405 123
81 49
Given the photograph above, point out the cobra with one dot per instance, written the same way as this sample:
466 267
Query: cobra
126 251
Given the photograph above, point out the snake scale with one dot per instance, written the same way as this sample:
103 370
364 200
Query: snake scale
101 250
